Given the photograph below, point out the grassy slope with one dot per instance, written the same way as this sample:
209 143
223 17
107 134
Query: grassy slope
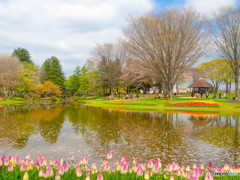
12 101
151 104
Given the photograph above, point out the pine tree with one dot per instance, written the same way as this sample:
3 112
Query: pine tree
84 83
22 54
52 71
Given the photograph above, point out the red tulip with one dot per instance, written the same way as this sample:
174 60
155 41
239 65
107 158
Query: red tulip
210 164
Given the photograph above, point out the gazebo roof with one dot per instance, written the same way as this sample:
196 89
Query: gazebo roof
200 84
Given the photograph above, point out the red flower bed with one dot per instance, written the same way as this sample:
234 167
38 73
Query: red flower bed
2 98
193 104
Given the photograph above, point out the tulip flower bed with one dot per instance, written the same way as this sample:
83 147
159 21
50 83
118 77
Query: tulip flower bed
194 104
14 168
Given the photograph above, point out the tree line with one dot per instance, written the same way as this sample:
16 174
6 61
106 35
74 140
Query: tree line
158 48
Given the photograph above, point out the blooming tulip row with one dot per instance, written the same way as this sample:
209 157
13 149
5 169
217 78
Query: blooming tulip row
14 168
193 104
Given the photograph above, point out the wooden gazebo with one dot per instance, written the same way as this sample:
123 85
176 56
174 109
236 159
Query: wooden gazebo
201 84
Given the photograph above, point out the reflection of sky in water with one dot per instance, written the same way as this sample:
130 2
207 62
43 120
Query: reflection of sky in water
57 132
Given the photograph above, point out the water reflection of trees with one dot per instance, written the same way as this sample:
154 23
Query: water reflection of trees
224 132
133 134
18 123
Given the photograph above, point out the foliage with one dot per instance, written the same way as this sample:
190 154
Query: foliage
49 88
217 73
52 71
23 55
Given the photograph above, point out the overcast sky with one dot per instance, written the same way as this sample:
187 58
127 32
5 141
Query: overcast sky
70 29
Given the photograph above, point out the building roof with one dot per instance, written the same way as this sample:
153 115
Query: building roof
200 84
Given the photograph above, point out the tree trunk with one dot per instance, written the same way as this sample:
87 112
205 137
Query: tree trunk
230 86
112 91
226 82
236 86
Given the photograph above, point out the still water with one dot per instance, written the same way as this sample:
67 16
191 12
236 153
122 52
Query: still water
57 131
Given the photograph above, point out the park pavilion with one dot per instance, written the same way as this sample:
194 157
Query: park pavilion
200 85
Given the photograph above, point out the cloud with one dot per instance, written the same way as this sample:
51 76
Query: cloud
207 7
67 29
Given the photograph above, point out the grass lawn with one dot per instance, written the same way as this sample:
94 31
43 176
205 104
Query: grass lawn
152 104
12 101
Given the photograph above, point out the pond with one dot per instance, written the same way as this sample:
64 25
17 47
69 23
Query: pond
57 131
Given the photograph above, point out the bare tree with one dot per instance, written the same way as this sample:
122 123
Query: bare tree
9 70
110 60
167 43
227 39
196 73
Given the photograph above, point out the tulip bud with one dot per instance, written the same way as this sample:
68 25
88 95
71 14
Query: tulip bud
109 156
25 177
100 177
10 168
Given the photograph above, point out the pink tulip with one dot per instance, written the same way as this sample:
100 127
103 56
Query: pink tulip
87 178
124 169
94 166
189 176
184 173
17 160
81 162
188 168
146 175
104 163
66 167
194 166
139 171
107 167
72 157
226 167
10 168
100 177
57 177
116 162
171 178
45 175
60 171
178 172
85 161
109 156
41 173
50 172
27 162
202 167
23 167
52 162
155 168
123 158
40 156
169 168
28 156
6 163
150 164
134 161
79 172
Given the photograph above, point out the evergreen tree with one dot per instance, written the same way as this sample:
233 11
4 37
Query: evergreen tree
52 71
44 74
22 54
74 81
84 82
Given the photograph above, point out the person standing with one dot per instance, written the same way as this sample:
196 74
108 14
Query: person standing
224 95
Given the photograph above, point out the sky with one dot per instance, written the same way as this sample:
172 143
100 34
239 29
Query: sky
70 29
